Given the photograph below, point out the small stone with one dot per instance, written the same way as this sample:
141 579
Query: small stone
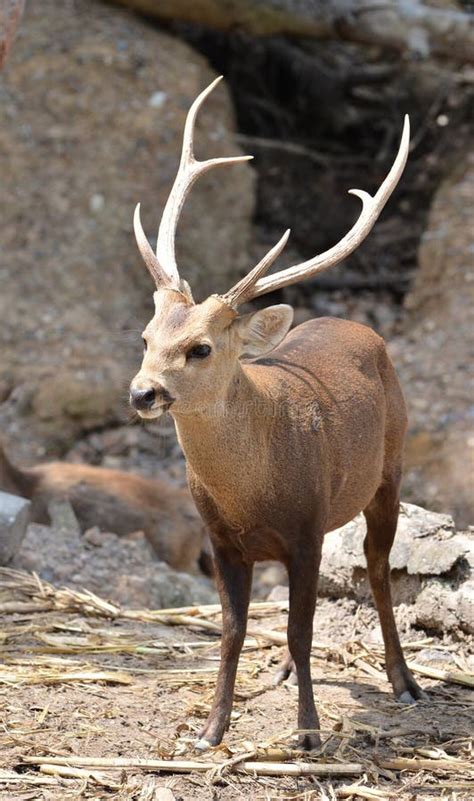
279 593
93 536
62 515
272 575
164 794
150 791
96 203
157 99
14 516
375 636
435 657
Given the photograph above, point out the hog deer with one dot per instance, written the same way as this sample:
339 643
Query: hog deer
286 435
117 501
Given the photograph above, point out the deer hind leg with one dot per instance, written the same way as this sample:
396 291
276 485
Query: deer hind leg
234 582
382 517
303 576
285 670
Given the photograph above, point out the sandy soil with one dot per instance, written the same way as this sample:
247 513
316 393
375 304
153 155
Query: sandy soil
158 714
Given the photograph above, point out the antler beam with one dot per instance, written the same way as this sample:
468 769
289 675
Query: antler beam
189 170
244 290
163 266
253 285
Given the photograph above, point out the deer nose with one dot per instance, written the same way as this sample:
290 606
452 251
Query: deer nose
142 398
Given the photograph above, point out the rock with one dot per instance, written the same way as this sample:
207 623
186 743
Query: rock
91 120
414 27
433 356
62 515
163 794
432 572
426 545
14 516
122 569
150 790
436 658
273 575
279 593
443 608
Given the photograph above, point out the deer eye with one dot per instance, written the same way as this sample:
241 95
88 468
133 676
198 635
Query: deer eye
145 344
198 352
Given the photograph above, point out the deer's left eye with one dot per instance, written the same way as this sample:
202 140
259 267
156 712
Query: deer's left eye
198 352
145 343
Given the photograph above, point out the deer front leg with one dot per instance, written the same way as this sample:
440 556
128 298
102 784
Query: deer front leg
303 576
234 582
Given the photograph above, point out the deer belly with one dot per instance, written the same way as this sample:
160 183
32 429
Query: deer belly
355 490
260 544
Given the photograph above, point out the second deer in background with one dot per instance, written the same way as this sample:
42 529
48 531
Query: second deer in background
116 501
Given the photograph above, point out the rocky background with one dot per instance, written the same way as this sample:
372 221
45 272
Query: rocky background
93 99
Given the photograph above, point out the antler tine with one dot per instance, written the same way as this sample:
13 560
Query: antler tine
146 250
243 290
189 170
371 208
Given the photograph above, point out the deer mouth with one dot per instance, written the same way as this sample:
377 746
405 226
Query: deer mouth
156 411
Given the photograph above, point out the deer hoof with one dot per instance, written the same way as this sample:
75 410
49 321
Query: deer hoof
408 698
284 671
202 745
280 676
292 678
309 742
285 675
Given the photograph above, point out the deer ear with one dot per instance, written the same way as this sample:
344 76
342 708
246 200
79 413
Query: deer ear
263 330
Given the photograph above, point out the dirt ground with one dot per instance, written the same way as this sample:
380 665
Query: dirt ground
158 687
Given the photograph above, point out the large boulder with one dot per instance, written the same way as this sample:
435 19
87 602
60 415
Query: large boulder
426 546
92 108
434 355
432 569
415 26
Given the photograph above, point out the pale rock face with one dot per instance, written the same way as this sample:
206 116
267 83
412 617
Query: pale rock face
432 569
434 357
91 119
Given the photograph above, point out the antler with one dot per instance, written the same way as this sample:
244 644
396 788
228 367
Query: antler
163 266
252 286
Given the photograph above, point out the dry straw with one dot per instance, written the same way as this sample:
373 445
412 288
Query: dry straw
61 636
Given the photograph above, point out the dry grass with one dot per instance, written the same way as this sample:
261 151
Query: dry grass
83 644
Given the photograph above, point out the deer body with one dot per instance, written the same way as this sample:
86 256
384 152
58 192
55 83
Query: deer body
321 399
286 435
116 501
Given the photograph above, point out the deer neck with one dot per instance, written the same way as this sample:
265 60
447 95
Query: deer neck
218 440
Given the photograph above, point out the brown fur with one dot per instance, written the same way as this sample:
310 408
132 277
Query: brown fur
279 451
115 501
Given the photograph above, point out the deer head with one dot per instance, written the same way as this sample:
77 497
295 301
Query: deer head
192 350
